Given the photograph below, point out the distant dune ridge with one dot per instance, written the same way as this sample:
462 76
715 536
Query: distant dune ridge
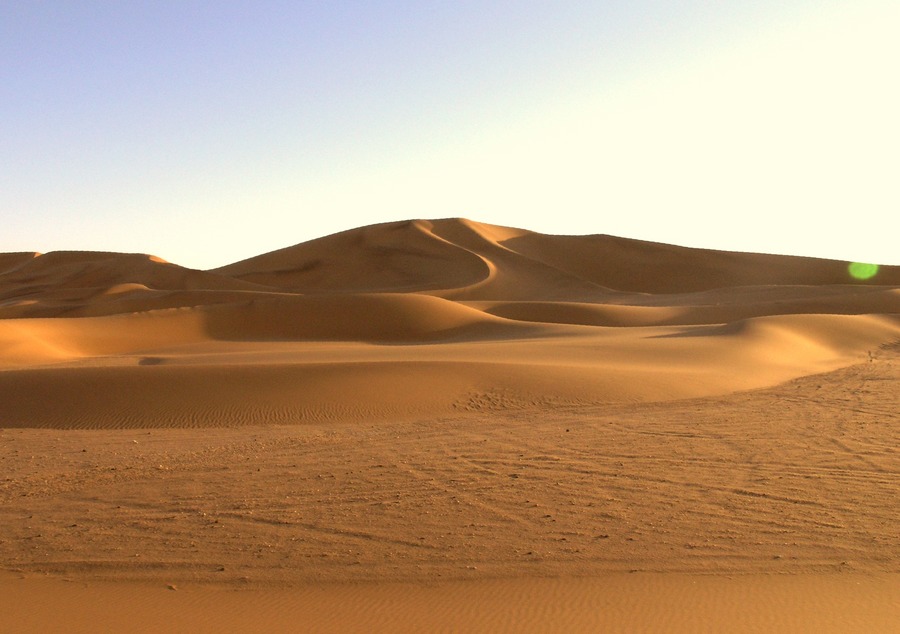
418 318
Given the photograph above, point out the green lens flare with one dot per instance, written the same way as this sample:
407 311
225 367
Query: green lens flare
862 271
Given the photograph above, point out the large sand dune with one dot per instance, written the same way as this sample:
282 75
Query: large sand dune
445 399
438 314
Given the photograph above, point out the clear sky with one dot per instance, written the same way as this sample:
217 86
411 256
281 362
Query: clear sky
208 132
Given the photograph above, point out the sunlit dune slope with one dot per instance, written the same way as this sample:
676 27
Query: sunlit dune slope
418 318
370 318
95 376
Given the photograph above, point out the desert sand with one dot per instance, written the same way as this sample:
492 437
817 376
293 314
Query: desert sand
443 424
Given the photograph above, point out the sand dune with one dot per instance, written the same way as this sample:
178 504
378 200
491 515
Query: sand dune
465 258
447 399
403 257
77 284
705 308
477 308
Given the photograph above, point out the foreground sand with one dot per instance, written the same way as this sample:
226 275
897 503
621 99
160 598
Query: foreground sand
608 603
447 423
770 510
801 477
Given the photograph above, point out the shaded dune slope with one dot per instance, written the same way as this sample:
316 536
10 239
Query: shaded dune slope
468 260
418 318
394 257
79 284
648 267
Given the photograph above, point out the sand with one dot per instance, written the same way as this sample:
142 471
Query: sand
448 425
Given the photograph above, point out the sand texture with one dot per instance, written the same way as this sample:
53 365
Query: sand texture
446 402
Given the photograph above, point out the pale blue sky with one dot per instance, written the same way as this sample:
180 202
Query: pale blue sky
207 132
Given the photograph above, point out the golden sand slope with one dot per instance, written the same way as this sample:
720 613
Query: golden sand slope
415 319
